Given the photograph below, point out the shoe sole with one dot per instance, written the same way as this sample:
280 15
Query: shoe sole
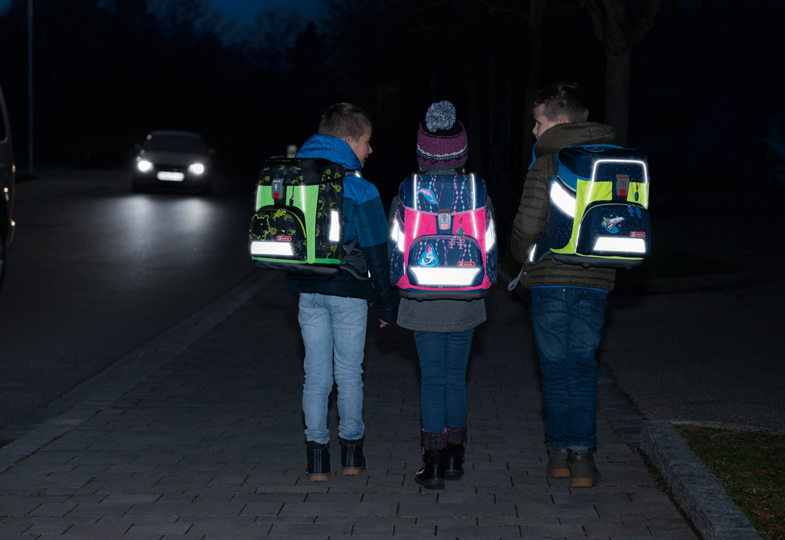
584 482
558 473
353 472
318 477
432 484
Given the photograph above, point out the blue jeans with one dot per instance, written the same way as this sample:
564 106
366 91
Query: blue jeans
443 361
568 325
333 329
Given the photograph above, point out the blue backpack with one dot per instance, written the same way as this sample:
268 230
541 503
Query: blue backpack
599 208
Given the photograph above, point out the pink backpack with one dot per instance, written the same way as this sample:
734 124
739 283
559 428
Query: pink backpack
443 241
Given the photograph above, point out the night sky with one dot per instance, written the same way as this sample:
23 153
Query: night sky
256 87
243 10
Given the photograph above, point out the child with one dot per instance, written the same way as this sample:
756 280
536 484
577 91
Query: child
568 301
333 310
443 329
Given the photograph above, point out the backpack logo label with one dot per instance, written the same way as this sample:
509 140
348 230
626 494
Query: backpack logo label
283 238
609 224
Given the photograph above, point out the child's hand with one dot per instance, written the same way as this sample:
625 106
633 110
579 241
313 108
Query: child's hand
382 323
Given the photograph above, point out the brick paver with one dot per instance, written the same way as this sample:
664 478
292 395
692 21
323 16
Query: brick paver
210 445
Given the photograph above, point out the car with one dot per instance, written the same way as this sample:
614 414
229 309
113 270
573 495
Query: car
172 160
7 184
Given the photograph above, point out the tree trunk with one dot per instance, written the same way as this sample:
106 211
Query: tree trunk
617 94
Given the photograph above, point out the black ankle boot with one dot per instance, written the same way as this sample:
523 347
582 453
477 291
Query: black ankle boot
318 461
454 453
352 457
452 461
431 474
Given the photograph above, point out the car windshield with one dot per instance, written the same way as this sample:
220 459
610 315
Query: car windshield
175 143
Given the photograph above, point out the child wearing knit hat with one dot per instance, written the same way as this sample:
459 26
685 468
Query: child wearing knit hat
443 328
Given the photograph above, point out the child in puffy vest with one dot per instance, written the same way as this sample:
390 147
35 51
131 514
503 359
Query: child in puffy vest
568 301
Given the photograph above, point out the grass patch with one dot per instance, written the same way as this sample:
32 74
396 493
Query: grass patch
750 467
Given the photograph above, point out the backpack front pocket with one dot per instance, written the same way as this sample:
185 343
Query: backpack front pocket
446 262
278 232
614 230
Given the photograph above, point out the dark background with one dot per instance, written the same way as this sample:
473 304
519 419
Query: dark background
705 93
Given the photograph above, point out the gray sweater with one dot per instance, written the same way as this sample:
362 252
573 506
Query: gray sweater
441 315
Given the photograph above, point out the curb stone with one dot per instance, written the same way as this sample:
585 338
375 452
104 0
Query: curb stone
711 511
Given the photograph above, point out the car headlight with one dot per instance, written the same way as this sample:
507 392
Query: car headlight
196 168
144 166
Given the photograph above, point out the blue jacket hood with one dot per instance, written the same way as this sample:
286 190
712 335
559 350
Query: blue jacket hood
331 148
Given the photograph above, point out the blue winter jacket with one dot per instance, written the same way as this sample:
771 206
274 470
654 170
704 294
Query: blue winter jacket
366 220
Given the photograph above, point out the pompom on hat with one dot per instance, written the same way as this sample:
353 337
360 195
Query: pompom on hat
442 142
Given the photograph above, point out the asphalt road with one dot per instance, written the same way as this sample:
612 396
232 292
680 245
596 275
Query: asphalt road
711 352
95 271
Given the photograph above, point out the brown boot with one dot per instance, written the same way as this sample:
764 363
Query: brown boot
557 462
583 470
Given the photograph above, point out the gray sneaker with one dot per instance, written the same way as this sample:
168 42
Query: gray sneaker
583 471
557 462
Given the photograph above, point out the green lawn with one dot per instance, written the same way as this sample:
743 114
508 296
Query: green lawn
750 467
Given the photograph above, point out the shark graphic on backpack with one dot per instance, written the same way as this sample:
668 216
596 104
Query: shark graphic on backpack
443 241
599 208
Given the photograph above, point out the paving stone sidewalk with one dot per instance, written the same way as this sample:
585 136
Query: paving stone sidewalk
210 446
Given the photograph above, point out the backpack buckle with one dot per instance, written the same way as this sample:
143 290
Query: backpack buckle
278 189
445 219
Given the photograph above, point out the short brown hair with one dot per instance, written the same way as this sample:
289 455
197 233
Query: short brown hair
566 99
344 120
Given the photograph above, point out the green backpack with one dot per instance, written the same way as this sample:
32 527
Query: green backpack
298 224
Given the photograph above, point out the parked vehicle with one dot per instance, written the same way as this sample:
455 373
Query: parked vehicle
172 160
7 184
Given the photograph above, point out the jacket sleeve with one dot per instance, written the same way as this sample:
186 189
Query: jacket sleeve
532 213
372 236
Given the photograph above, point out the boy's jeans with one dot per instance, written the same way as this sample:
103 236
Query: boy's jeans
568 325
333 329
443 360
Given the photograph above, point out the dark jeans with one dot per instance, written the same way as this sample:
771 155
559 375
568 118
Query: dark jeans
443 361
568 325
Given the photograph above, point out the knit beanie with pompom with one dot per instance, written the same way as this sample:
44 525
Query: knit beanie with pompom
442 142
